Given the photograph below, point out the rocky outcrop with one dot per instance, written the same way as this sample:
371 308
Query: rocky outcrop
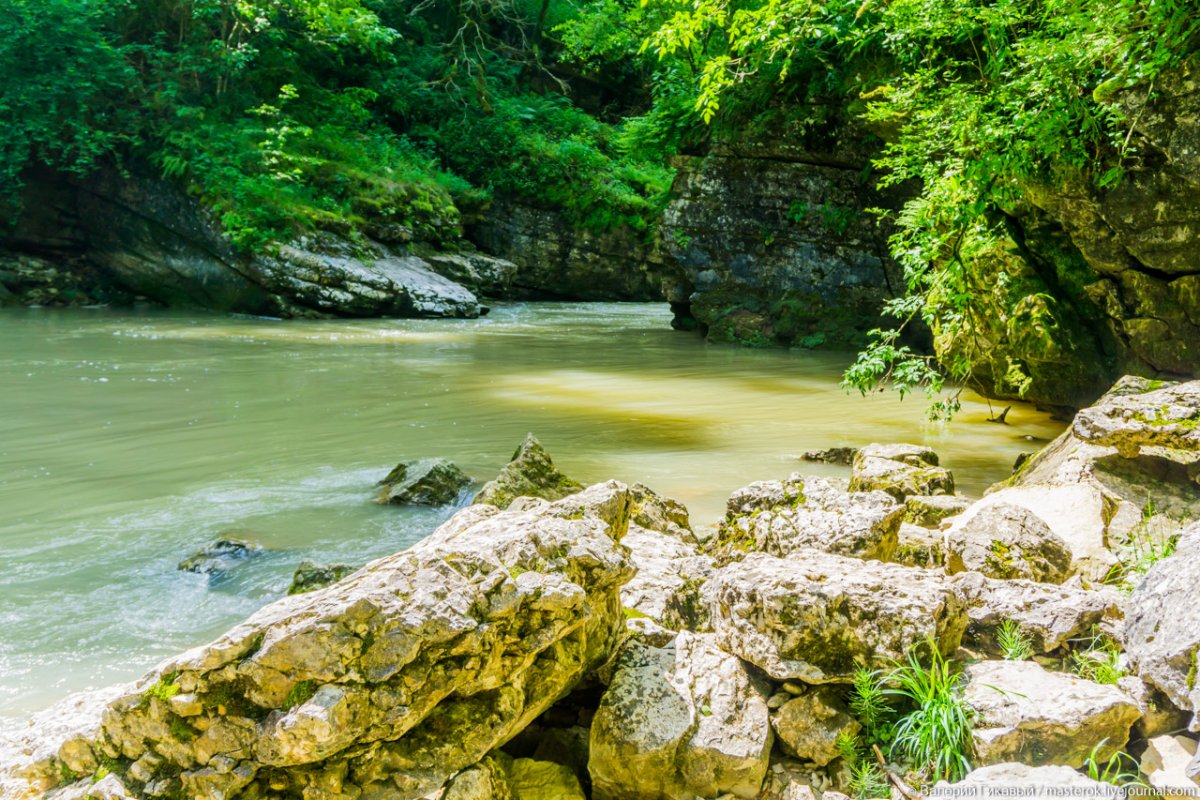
773 242
1048 615
486 276
782 517
144 236
1006 541
1028 714
901 470
815 617
1162 626
428 482
395 679
1168 418
678 722
530 473
558 260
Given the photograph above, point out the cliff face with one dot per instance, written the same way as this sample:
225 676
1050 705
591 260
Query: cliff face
558 261
773 243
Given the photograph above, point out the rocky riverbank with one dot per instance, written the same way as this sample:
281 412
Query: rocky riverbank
593 643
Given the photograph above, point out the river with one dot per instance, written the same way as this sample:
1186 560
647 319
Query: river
129 440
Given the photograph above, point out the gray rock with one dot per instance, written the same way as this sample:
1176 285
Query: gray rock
1159 714
901 470
482 274
398 677
782 517
928 511
998 781
680 721
1006 541
1162 625
220 556
1026 713
808 726
832 455
530 473
428 482
815 616
310 575
1048 615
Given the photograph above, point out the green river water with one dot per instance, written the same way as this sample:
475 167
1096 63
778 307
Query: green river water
129 440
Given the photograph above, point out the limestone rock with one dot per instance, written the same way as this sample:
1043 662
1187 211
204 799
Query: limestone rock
1167 417
487 780
310 575
427 482
542 780
1048 615
815 616
1162 625
531 473
1159 476
782 517
669 575
919 547
901 470
395 679
654 512
928 511
1159 714
1079 514
482 274
54 744
1026 713
1006 541
1007 780
679 721
1165 765
220 556
808 726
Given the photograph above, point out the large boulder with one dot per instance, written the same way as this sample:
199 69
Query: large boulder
809 727
1078 514
426 482
1024 712
393 680
669 575
530 473
1168 417
901 470
1021 780
1007 541
782 517
816 616
1158 476
1162 625
1048 615
680 721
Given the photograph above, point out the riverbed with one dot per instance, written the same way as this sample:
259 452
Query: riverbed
129 440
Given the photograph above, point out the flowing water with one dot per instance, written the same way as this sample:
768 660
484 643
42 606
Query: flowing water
129 440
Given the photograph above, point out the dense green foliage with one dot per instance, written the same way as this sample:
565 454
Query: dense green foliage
286 115
978 100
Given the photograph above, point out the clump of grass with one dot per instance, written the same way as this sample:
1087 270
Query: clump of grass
935 737
1153 539
301 693
1121 769
1097 658
1015 644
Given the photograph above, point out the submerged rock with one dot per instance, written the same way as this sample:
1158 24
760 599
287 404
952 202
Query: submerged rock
395 679
679 721
815 617
901 470
220 556
782 517
427 482
832 455
310 575
1027 713
1006 541
1162 625
530 473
